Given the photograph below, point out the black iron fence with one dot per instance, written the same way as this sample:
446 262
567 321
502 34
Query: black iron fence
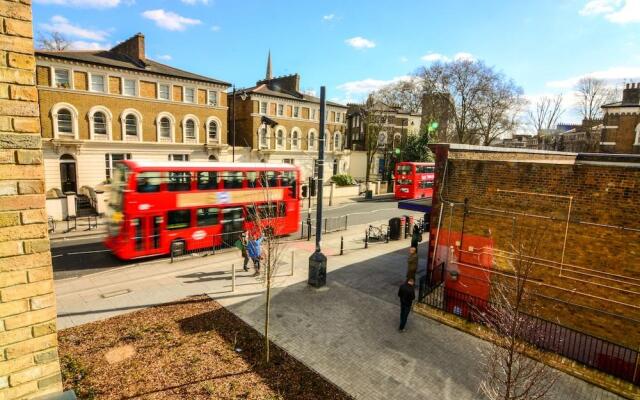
597 353
329 224
209 245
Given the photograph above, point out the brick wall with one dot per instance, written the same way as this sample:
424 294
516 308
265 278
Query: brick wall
598 290
29 364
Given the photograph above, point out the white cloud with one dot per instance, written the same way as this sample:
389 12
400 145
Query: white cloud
311 92
164 57
616 11
360 43
84 45
169 20
82 3
328 17
462 56
194 2
404 59
612 75
58 23
369 85
433 57
216 28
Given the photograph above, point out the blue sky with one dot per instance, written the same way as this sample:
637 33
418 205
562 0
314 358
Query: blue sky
355 46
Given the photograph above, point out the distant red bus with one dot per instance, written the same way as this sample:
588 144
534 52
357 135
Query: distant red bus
153 205
414 180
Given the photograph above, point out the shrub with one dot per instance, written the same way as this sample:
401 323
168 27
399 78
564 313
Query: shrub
343 180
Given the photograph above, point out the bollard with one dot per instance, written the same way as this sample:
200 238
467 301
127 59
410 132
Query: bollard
233 277
301 230
346 225
341 245
325 225
308 230
387 234
366 239
291 274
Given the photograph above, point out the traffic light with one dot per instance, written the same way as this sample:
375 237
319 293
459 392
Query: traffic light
305 191
312 191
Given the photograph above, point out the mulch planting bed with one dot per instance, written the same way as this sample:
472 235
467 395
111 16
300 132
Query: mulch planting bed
191 349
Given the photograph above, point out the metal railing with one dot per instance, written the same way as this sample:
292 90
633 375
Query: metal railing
329 224
209 245
594 352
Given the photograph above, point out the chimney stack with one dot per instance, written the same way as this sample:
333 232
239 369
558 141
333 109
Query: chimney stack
132 48
631 94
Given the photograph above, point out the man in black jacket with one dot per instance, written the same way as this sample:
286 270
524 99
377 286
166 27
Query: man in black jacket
407 295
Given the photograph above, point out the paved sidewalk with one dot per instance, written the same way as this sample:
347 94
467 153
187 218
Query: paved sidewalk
345 331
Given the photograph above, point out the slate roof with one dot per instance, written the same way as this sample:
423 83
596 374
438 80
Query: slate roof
265 90
113 59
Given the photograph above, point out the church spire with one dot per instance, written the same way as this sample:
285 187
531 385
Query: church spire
269 75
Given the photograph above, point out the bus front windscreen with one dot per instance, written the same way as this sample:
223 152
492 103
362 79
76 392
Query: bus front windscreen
404 169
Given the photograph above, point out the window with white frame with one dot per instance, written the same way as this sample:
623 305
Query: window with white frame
131 125
212 131
313 113
189 95
65 122
263 107
178 157
336 141
212 97
288 161
382 139
279 139
337 117
637 134
97 83
264 138
280 109
164 91
129 87
190 130
110 159
99 123
165 129
61 77
296 112
312 140
295 140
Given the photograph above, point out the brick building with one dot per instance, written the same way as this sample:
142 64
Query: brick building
98 107
29 366
279 123
621 123
582 209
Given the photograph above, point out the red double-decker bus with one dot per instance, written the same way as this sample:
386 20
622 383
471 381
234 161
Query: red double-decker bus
414 180
198 204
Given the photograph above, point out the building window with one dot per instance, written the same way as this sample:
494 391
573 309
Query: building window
295 140
264 139
336 141
312 140
337 118
212 97
382 139
97 83
212 131
110 159
165 128
279 139
280 110
131 125
62 78
296 112
129 87
190 130
178 157
163 91
65 123
287 161
99 123
313 114
189 95
263 107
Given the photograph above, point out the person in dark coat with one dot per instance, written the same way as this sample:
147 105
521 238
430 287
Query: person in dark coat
407 295
416 236
412 263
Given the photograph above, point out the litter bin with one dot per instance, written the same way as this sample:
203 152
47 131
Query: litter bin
403 227
368 194
394 228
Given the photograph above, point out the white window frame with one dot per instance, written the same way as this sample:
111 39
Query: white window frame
172 128
381 143
136 89
172 157
295 138
296 112
263 140
266 108
311 142
184 94
105 83
127 156
215 96
123 116
74 120
314 114
54 79
281 129
278 110
109 119
327 140
169 92
196 129
337 141
219 134
637 142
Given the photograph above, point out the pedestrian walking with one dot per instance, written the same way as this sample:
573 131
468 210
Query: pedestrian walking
416 236
255 252
407 295
241 244
412 263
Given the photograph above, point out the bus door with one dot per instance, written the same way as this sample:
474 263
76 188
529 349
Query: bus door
232 225
147 234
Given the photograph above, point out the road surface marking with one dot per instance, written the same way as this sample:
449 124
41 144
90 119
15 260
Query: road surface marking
57 255
87 252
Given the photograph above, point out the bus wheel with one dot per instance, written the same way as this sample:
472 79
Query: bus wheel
178 247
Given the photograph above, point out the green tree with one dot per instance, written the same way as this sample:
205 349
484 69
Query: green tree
416 147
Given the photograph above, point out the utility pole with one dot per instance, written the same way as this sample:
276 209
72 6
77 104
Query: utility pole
318 261
233 125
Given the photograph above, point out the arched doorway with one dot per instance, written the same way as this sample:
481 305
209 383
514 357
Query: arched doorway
212 158
68 173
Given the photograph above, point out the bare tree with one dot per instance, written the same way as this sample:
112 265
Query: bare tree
54 41
375 136
498 110
592 94
546 112
509 373
406 94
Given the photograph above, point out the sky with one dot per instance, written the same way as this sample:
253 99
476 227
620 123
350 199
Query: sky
355 46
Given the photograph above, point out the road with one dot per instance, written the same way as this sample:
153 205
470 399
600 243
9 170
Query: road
84 256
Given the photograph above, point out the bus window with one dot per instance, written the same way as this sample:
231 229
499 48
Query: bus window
138 234
288 179
252 179
269 178
207 180
404 181
426 184
251 213
232 214
423 169
232 179
178 219
266 211
148 182
179 181
282 209
404 169
207 216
